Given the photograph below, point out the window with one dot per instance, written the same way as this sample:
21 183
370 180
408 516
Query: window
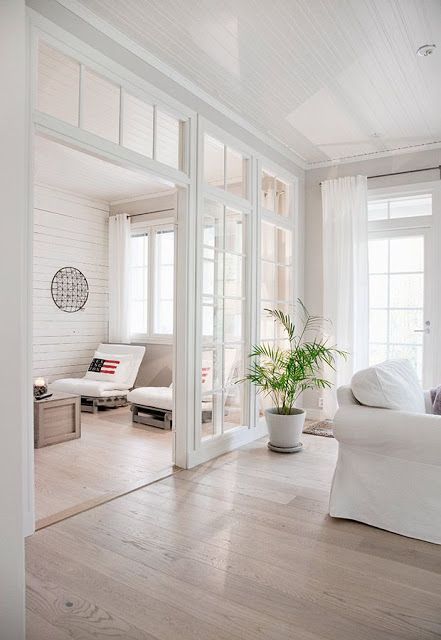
400 207
396 293
223 317
101 106
164 281
139 276
275 196
168 134
58 86
76 94
152 282
276 276
224 168
137 125
276 253
397 247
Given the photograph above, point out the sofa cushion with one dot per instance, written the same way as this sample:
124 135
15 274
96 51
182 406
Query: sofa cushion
390 385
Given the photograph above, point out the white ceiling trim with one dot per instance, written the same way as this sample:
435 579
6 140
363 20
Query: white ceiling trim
375 154
104 27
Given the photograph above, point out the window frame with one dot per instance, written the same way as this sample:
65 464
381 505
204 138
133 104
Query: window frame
244 202
288 222
150 229
127 83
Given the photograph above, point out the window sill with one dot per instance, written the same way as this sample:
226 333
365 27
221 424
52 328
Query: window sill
142 339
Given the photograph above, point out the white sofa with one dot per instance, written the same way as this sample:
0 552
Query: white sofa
388 472
103 393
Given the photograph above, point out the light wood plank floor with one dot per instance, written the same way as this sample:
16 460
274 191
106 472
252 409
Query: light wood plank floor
110 458
238 549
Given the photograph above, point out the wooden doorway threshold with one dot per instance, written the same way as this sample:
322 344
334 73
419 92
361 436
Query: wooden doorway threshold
87 505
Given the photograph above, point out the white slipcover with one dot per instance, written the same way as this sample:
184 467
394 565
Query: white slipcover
388 471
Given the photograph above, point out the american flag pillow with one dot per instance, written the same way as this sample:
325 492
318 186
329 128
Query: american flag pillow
100 365
108 367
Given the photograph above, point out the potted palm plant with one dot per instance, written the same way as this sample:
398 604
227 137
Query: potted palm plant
282 372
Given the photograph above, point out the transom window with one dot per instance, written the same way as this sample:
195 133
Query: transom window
224 167
275 194
77 95
152 283
400 207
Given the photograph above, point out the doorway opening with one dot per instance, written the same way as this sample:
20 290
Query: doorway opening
117 442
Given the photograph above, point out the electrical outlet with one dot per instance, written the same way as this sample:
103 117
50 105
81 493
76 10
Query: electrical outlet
320 403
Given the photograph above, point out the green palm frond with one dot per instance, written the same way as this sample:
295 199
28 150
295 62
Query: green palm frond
283 374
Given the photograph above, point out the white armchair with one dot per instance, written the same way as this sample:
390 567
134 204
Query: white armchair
388 471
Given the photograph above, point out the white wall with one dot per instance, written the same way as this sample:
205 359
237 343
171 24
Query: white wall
68 231
15 381
313 244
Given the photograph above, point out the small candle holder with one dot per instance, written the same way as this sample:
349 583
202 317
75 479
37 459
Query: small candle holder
40 388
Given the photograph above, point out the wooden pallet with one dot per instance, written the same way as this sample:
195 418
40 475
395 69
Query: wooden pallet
91 404
151 417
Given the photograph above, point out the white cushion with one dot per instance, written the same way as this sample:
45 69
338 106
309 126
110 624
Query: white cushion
390 385
109 367
159 397
90 388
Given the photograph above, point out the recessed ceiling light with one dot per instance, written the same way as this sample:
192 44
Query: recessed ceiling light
426 50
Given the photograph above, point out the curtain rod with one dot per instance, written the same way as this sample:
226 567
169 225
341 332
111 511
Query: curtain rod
399 173
147 213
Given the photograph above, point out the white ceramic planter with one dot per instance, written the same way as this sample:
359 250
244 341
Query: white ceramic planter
285 430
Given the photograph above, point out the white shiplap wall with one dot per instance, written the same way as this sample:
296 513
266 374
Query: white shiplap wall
68 231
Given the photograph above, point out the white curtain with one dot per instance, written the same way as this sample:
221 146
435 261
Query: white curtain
119 283
345 274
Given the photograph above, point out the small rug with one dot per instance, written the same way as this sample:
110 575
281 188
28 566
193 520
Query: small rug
322 428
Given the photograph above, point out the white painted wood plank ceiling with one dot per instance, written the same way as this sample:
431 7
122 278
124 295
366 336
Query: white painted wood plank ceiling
330 79
77 172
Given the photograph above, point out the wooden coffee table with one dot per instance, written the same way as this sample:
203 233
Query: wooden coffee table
57 419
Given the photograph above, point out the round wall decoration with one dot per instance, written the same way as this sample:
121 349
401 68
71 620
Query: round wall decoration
69 289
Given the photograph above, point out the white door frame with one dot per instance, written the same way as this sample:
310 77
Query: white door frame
430 228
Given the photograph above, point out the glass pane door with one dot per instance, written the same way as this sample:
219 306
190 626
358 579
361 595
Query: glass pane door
399 325
223 319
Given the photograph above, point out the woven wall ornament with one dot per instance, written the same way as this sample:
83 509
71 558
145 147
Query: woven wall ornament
69 289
